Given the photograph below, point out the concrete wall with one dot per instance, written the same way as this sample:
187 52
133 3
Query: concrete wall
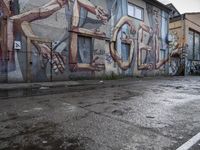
84 39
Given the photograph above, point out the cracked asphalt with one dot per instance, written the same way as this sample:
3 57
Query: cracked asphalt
144 114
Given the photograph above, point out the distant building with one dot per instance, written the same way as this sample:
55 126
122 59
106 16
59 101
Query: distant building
55 40
184 42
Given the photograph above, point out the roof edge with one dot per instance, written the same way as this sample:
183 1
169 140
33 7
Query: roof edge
158 4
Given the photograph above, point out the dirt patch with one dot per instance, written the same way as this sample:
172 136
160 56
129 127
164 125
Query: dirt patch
46 136
75 143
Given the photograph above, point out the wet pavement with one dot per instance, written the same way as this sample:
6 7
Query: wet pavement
142 114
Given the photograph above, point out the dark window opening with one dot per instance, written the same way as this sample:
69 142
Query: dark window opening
84 50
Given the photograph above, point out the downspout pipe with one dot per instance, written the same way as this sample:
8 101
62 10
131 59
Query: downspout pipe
184 50
168 52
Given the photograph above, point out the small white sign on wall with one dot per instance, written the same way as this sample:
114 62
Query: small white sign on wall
17 45
1 13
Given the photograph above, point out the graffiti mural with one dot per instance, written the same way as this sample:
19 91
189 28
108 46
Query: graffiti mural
176 46
125 39
151 39
193 53
63 38
1 43
22 22
76 30
193 67
7 57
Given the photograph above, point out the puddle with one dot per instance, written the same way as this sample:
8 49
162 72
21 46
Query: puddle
31 91
179 87
178 97
150 117
172 86
11 93
37 109
44 88
122 112
118 112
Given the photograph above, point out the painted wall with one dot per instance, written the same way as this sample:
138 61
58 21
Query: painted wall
49 40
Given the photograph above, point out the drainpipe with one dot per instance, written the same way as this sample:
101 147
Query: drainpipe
168 53
4 46
184 50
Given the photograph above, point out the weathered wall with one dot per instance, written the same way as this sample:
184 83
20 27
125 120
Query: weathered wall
61 40
184 45
176 48
192 24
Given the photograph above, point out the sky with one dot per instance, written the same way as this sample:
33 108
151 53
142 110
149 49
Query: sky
184 6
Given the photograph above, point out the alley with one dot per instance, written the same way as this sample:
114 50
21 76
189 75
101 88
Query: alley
127 114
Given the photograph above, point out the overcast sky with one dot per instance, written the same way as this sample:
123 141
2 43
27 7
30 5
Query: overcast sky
184 5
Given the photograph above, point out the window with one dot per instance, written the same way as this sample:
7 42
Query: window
190 45
197 47
135 11
164 30
125 52
84 50
194 45
162 54
131 10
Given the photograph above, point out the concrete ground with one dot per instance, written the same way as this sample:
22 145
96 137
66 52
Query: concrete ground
142 114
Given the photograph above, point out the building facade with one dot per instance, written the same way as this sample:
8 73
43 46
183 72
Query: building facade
51 40
184 42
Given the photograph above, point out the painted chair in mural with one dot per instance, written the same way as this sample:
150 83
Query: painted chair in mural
76 31
147 46
149 41
143 46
